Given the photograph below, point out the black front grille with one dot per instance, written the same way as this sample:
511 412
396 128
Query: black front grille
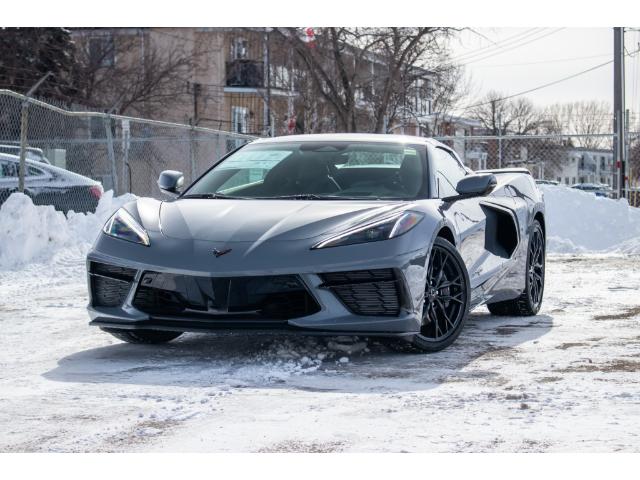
278 297
109 284
366 292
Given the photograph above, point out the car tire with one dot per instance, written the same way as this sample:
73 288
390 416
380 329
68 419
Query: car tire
530 300
453 299
143 336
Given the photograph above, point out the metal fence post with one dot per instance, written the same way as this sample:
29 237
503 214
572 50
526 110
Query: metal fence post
111 153
126 136
499 148
24 124
192 152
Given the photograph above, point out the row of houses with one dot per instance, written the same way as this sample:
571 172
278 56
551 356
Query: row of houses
247 82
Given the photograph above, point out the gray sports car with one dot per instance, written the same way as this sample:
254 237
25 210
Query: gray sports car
340 234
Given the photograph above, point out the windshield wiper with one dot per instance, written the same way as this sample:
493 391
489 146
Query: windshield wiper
211 195
299 196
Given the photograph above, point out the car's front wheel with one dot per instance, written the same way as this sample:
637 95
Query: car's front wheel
143 336
446 300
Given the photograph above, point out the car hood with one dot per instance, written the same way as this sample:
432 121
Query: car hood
223 220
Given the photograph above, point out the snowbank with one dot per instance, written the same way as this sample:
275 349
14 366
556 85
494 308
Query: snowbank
580 222
30 233
577 222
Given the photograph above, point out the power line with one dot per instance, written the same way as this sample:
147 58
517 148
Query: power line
529 41
545 61
529 32
540 87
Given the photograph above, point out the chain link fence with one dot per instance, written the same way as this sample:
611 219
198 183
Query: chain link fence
581 161
72 156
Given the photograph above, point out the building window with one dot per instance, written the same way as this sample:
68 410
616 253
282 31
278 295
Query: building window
102 52
239 49
239 119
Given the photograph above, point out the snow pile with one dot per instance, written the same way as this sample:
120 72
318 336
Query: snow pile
282 358
579 222
30 233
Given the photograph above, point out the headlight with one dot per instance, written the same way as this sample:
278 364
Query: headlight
122 225
383 229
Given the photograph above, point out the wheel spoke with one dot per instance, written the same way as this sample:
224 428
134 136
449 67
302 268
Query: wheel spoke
444 312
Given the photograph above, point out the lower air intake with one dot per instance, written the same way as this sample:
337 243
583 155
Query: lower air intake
366 292
109 284
278 297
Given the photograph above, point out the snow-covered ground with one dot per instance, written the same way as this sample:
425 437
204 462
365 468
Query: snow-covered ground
565 380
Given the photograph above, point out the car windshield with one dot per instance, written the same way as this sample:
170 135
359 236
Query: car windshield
318 170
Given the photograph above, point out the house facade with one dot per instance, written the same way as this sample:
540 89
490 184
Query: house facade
245 80
582 165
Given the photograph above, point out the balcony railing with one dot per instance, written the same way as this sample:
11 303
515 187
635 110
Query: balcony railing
244 73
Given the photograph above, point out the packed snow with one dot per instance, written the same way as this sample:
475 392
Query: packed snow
564 380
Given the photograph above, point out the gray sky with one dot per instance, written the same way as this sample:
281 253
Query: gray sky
525 58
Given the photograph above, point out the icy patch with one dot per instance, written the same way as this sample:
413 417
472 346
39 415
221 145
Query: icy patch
37 233
580 222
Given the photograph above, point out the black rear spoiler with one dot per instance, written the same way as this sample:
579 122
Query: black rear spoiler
505 170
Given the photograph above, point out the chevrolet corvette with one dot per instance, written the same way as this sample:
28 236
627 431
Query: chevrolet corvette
331 234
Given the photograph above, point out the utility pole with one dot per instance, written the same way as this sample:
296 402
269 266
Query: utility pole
24 124
619 109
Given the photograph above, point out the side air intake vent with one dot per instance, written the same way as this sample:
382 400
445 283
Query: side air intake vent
501 233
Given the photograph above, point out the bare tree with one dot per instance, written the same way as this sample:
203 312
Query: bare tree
581 118
364 74
132 75
451 88
516 116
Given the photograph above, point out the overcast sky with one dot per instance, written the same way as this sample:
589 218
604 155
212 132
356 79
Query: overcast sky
511 60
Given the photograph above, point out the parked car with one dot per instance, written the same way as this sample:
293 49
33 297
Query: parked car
598 189
547 182
374 235
35 154
49 185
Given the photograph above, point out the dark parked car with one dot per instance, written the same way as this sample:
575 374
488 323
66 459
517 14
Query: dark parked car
49 185
597 189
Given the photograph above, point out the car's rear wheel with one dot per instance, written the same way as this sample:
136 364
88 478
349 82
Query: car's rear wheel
143 336
446 302
530 300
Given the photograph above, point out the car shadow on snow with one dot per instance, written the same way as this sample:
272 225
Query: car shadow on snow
305 362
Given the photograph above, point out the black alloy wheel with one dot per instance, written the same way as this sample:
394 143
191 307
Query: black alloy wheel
446 300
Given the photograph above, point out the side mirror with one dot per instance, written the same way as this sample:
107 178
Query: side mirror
476 185
170 182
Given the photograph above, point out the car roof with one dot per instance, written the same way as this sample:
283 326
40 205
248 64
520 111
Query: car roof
351 137
48 167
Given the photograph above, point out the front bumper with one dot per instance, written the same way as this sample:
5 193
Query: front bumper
332 316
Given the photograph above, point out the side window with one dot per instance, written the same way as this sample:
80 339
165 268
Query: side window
34 172
8 169
448 172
